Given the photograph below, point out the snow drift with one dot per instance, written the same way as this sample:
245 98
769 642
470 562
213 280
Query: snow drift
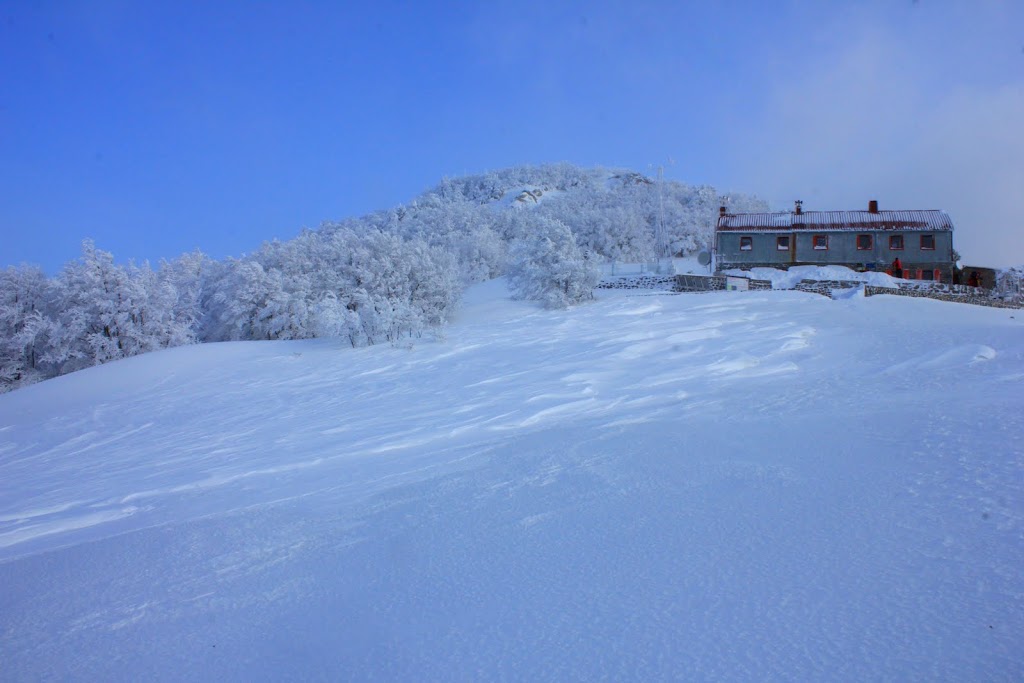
722 486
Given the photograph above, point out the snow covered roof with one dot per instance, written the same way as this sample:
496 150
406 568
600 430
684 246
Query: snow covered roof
915 220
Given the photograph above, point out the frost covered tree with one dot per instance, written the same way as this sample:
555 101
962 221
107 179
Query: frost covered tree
396 287
189 276
23 326
1010 283
547 266
250 303
92 298
614 213
364 287
100 311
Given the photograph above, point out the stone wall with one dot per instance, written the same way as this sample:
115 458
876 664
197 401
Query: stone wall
825 287
664 283
715 283
960 294
976 296
676 283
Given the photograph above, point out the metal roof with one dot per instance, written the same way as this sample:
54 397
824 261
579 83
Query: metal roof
832 221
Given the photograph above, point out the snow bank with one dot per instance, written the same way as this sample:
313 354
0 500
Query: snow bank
788 279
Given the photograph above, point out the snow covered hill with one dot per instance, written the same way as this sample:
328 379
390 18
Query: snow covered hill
376 278
725 486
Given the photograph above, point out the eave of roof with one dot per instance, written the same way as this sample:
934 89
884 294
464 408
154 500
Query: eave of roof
836 221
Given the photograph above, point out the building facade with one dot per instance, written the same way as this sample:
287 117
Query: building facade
863 240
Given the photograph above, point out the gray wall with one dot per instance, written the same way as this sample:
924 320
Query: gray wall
763 252
842 249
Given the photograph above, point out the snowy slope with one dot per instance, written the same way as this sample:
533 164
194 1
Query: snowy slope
725 486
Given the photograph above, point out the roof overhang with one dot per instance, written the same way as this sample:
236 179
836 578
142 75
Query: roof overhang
836 221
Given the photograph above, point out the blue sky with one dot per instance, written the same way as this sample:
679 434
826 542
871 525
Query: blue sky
160 127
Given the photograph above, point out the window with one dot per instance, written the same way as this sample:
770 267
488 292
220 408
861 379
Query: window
782 242
928 242
864 242
896 242
820 242
746 243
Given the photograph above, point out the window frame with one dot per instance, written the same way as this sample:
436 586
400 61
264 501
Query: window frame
778 242
902 243
931 248
814 243
747 240
871 242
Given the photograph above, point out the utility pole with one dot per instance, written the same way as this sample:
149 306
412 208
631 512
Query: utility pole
660 236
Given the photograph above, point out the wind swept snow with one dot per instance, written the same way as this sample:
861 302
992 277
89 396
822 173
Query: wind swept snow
727 486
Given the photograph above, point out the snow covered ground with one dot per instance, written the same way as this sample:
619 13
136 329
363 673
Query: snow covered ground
723 486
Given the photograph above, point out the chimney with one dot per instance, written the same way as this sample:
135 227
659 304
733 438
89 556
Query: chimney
799 207
873 206
721 211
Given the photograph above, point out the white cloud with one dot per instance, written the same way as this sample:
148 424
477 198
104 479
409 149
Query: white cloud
969 153
891 115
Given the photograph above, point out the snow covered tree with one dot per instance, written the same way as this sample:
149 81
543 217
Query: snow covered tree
102 312
549 267
330 317
92 300
398 287
23 326
1010 284
189 275
251 303
157 317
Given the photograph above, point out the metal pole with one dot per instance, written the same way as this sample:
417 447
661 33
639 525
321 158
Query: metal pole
661 212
